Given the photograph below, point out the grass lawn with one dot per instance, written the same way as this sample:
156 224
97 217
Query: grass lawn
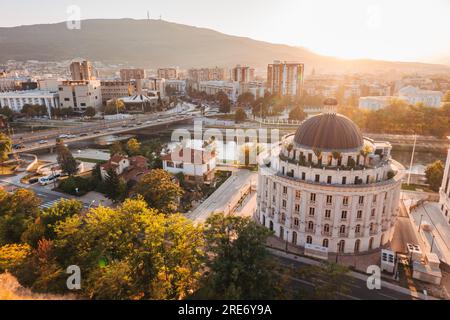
416 187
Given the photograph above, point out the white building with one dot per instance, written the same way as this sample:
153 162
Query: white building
375 102
329 186
15 100
178 85
414 95
444 192
156 85
231 89
256 88
80 94
197 165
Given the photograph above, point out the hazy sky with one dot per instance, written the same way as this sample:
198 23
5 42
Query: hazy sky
380 29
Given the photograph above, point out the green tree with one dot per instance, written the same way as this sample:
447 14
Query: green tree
5 147
434 173
329 279
160 190
245 99
297 114
240 267
89 112
115 187
224 102
65 159
133 147
114 107
240 115
116 148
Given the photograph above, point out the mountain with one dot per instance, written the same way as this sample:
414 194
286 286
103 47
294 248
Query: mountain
158 43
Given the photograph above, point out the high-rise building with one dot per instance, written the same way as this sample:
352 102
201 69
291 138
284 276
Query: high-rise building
242 74
168 73
132 74
207 74
285 78
81 70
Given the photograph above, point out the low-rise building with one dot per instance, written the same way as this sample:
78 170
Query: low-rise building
414 95
196 165
231 89
115 89
132 74
168 73
15 100
79 95
375 102
178 85
254 87
128 168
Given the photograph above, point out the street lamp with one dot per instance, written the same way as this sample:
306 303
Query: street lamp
92 202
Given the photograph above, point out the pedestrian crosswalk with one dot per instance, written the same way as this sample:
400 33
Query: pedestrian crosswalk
48 204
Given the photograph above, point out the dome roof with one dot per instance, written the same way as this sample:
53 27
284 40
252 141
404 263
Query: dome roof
329 132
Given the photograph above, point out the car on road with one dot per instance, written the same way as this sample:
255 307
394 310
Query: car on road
43 141
33 180
84 134
159 120
62 136
71 136
96 132
18 146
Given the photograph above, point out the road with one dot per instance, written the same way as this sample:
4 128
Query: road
403 232
357 287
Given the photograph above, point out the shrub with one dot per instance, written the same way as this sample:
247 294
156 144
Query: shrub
71 184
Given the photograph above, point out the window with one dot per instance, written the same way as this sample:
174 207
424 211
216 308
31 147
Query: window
294 237
341 246
308 239
274 186
342 229
296 222
359 214
83 104
357 243
310 225
284 190
325 243
345 201
297 207
374 199
329 179
344 215
326 228
66 99
313 197
327 213
371 227
358 228
370 243
329 199
311 211
361 200
372 213
317 179
344 180
283 203
297 194
303 176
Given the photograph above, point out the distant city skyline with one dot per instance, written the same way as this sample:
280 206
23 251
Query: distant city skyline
401 30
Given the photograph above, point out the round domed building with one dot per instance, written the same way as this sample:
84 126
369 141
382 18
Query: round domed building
328 186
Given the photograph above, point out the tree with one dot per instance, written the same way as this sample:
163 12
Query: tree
5 147
7 112
297 114
114 186
434 173
240 115
160 190
329 280
65 159
114 107
133 147
224 102
446 97
245 99
116 148
240 267
13 255
89 112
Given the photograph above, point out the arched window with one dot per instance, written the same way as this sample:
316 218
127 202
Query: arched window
370 243
264 220
371 227
310 225
325 243
342 229
357 243
326 228
296 222
294 237
358 228
309 239
341 246
271 225
281 232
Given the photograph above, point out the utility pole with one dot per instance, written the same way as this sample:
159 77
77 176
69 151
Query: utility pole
412 159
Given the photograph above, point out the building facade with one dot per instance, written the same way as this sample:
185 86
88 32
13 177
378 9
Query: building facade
285 78
81 70
231 89
329 186
168 73
444 192
207 74
178 85
375 103
414 95
132 74
242 74
116 89
15 100
79 95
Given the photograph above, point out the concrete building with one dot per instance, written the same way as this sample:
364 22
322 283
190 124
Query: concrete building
82 70
375 103
207 74
178 85
414 95
256 88
49 84
168 73
444 191
80 94
285 78
328 186
198 166
242 74
116 89
157 86
132 74
231 89
15 100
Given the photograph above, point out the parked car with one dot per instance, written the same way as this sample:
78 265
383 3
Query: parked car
62 136
43 141
48 179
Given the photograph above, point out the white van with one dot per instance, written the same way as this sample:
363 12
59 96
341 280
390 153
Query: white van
48 179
